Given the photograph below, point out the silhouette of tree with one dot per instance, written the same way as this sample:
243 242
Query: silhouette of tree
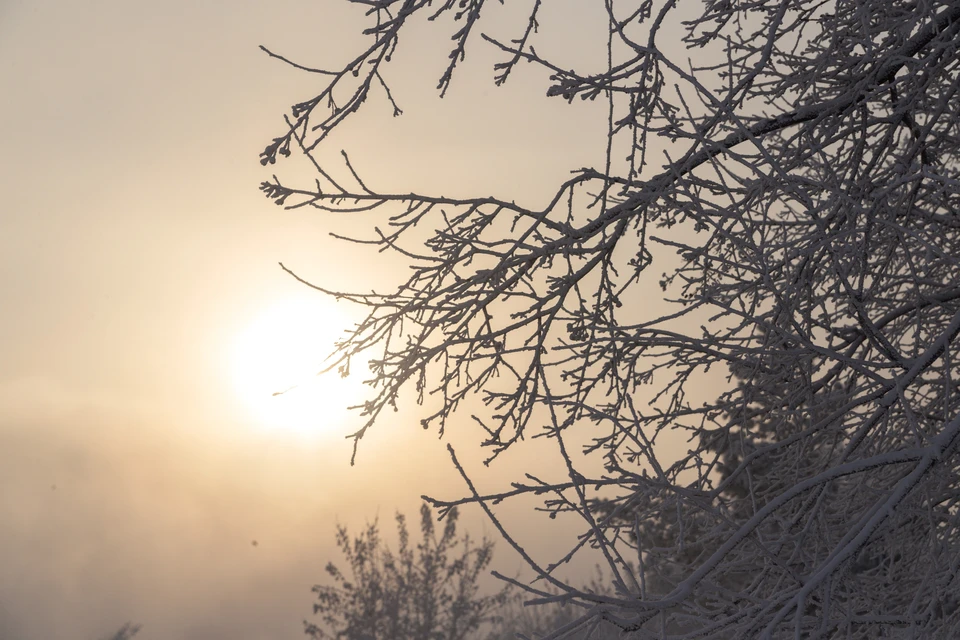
515 620
126 632
427 592
805 211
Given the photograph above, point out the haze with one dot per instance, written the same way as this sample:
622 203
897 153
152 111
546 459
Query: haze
136 253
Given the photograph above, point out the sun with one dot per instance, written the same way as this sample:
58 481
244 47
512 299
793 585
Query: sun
274 362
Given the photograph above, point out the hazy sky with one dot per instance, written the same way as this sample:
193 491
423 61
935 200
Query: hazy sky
143 309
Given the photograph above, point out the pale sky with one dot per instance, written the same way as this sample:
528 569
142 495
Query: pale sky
144 311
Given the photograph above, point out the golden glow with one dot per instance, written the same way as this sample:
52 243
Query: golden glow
275 360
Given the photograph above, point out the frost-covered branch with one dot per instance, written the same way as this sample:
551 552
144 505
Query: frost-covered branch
793 166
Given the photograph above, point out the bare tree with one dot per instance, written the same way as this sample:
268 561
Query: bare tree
806 213
430 592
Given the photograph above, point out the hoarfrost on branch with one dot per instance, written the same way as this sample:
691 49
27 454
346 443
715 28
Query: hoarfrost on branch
806 214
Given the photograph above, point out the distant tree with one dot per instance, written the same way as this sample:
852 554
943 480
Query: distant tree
516 620
126 632
793 164
430 592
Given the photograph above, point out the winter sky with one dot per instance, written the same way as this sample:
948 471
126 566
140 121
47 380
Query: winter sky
146 323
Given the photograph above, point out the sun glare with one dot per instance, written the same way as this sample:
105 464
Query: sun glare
274 364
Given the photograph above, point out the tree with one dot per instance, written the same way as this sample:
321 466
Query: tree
806 214
429 593
126 632
515 620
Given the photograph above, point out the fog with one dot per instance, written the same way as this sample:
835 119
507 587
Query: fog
134 479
